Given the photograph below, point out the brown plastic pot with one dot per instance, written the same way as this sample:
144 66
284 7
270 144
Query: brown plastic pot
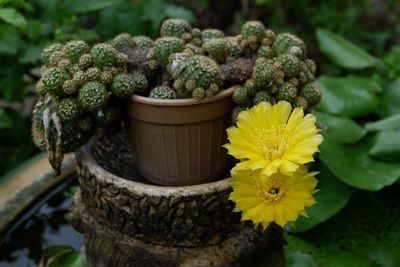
179 142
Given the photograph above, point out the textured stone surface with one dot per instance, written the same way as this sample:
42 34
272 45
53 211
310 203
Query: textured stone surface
129 222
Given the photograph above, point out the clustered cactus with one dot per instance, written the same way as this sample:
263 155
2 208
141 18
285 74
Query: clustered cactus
78 89
81 85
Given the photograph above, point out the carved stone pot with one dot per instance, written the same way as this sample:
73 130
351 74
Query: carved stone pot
129 222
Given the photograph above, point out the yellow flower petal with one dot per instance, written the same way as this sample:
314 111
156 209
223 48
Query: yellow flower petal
273 138
278 198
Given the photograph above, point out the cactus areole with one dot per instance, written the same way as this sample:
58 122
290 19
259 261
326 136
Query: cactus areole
87 89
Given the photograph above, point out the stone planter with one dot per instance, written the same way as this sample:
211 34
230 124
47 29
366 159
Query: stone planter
179 141
128 222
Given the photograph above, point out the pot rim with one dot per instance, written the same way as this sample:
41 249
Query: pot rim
182 102
85 155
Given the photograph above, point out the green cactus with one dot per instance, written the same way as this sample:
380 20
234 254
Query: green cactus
244 94
311 66
70 87
199 72
253 32
236 111
262 96
103 55
209 34
217 49
56 57
163 48
311 93
266 52
301 102
53 80
265 74
107 115
162 92
143 41
74 49
85 61
305 76
93 74
48 51
93 96
241 96
106 77
64 64
79 78
290 65
287 92
40 88
176 28
123 40
233 47
286 43
123 85
68 109
140 83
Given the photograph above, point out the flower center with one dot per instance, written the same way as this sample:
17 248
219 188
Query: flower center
271 142
271 190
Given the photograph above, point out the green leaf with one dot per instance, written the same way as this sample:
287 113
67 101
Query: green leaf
9 38
341 258
390 99
13 17
331 198
70 259
385 254
154 11
123 17
352 165
50 254
11 82
342 52
5 120
299 259
340 129
82 6
386 124
175 11
386 146
348 96
31 54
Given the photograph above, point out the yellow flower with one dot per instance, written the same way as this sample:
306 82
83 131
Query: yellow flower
278 199
273 138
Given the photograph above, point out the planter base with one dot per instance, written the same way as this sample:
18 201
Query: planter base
128 222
